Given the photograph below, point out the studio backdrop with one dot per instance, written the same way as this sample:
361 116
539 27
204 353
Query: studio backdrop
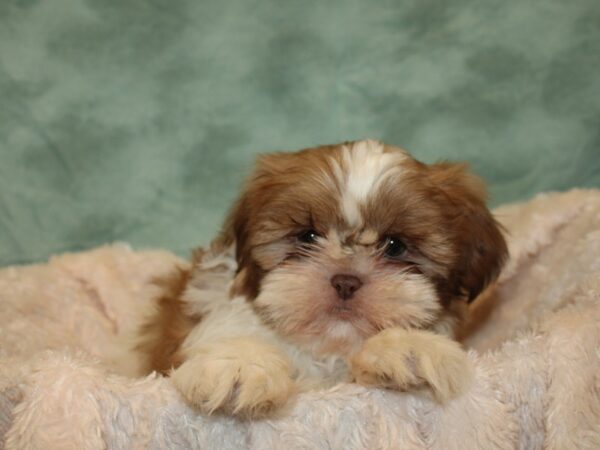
137 120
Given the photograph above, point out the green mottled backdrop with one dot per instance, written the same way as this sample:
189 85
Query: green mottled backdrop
136 120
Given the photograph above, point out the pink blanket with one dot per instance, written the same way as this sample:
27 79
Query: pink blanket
534 340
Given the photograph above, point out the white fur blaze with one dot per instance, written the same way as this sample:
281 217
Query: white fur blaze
365 166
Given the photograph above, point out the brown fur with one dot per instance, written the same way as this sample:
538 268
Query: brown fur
273 206
481 250
161 336
439 209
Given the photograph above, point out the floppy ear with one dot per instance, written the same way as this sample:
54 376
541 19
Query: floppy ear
258 188
481 248
238 225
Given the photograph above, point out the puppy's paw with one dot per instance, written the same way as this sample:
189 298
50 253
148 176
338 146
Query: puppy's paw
243 377
404 360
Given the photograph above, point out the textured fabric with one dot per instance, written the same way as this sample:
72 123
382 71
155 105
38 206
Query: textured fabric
136 120
534 340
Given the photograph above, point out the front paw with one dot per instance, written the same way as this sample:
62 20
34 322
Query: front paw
243 377
404 360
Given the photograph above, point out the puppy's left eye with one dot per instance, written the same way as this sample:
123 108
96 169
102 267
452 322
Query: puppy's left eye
393 247
308 236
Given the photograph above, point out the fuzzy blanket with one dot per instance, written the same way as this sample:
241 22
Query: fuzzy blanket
534 340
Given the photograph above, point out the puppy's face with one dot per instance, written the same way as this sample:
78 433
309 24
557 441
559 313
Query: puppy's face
339 242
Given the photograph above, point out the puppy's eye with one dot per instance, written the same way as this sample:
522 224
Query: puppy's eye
393 247
308 237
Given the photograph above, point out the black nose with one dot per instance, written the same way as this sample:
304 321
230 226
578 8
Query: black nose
346 285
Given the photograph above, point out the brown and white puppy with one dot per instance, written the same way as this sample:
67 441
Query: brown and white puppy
350 261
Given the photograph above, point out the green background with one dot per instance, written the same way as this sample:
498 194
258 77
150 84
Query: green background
136 120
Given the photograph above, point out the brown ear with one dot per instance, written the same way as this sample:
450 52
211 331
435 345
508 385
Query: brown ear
241 219
235 232
255 193
481 248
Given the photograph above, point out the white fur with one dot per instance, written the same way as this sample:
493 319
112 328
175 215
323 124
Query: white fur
365 166
223 320
236 319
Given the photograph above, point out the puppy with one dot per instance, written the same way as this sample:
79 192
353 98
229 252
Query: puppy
343 262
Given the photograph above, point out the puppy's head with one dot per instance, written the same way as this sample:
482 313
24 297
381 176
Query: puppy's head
339 242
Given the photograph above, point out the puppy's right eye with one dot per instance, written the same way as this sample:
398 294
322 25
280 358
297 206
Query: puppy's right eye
308 237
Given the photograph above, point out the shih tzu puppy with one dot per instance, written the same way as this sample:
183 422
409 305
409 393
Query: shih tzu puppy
343 262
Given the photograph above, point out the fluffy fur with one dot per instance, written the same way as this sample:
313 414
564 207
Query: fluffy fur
533 340
349 259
